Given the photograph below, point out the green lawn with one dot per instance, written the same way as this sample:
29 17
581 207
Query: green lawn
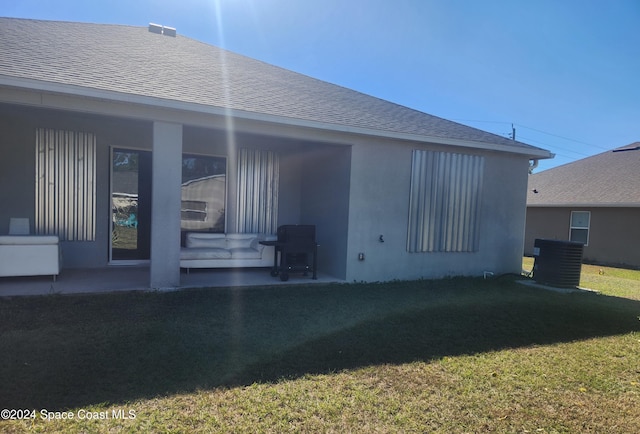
617 282
455 355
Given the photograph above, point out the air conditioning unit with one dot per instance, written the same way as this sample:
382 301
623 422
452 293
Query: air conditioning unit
557 263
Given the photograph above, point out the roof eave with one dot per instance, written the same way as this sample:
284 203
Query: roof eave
585 205
93 93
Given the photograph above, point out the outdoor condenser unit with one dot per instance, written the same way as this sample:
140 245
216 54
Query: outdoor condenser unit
557 263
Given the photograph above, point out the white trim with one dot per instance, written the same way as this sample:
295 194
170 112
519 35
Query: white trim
572 227
586 205
84 92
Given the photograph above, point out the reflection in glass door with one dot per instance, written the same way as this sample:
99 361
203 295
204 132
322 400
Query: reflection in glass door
130 205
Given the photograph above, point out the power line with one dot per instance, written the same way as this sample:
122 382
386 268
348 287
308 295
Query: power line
552 147
528 140
534 129
562 137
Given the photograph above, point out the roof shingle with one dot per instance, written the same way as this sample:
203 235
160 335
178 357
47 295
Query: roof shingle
611 178
132 60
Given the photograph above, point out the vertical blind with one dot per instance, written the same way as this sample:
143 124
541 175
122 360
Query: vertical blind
444 204
258 178
65 184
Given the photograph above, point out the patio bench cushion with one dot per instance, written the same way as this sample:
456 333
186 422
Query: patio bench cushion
199 240
205 253
245 253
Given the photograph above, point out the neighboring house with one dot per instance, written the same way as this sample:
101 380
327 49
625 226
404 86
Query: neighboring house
203 202
82 103
595 201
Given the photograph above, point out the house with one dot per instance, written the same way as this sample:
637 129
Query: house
394 193
595 201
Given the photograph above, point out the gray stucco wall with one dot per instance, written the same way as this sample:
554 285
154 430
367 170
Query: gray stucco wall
353 190
380 181
325 203
614 233
547 223
290 189
17 176
17 188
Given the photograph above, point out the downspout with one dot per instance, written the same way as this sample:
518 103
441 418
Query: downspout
533 164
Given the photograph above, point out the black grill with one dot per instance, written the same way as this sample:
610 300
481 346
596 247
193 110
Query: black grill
297 250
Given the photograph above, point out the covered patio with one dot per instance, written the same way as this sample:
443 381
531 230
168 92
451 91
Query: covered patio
308 187
136 278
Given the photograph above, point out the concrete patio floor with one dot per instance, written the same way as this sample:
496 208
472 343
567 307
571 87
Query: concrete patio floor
129 278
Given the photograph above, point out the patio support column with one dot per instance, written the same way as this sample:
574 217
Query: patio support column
165 205
232 187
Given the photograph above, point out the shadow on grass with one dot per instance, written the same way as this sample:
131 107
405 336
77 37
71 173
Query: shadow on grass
64 352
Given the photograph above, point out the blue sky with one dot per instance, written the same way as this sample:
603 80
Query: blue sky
566 73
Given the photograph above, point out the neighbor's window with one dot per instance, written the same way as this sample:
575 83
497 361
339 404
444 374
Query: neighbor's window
203 193
444 204
65 184
579 231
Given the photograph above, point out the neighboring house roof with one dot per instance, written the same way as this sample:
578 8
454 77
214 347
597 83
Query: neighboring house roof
610 179
132 64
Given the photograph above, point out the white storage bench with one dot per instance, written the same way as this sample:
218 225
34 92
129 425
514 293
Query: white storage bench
29 255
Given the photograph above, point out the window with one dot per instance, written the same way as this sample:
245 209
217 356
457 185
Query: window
65 184
203 193
579 230
444 203
194 210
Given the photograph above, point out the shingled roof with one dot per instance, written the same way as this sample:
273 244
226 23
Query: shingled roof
610 179
130 61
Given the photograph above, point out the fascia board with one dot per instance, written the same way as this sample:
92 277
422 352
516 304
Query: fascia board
585 205
107 95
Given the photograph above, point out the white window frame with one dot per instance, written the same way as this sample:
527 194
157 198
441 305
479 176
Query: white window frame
572 227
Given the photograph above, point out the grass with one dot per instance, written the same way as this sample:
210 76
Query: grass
456 355
618 282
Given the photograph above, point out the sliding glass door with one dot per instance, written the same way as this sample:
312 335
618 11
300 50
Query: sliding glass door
130 205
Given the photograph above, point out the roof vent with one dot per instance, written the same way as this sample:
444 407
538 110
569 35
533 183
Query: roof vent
155 28
162 30
637 148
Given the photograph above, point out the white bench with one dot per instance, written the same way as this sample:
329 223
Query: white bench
210 250
29 255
